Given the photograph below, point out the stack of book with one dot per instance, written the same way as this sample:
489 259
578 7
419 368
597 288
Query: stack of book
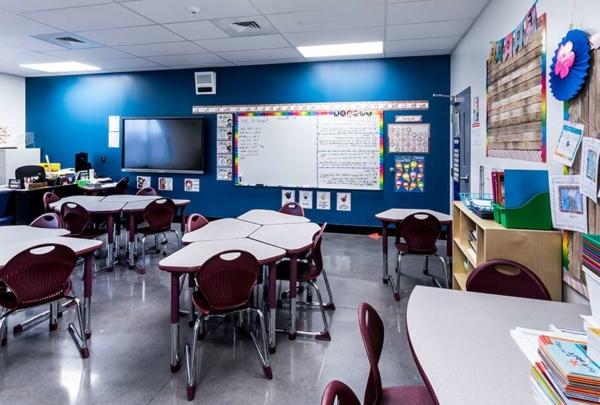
473 239
593 345
591 252
564 373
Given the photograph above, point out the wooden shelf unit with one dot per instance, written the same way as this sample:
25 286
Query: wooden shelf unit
540 251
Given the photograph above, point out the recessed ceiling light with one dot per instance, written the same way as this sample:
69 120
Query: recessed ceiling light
356 48
60 67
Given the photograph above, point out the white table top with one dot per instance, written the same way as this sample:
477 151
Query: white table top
93 206
98 186
193 256
270 217
79 246
139 206
80 199
462 341
128 198
19 233
398 214
226 228
294 238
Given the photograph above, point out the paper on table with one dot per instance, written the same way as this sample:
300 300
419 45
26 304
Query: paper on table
527 340
590 151
569 208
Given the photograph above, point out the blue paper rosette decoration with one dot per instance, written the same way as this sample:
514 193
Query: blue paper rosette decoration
570 65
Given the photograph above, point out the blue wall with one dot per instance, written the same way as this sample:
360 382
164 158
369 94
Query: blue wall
69 114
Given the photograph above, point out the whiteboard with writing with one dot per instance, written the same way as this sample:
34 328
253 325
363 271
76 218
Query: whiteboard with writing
316 149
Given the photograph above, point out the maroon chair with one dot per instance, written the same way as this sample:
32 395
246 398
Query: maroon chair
372 331
158 217
420 232
195 221
77 220
224 287
121 186
336 392
307 273
41 275
147 191
505 277
51 220
48 198
292 208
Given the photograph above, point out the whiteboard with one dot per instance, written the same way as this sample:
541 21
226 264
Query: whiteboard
316 149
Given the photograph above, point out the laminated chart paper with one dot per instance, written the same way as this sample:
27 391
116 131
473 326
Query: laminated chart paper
323 200
192 185
288 196
589 167
568 143
306 199
569 207
143 182
165 183
408 138
344 202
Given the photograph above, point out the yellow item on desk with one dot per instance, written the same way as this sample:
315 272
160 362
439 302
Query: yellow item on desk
50 167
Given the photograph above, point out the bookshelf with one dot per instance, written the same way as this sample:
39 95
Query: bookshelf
479 240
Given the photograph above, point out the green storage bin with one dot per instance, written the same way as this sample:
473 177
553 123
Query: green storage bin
534 214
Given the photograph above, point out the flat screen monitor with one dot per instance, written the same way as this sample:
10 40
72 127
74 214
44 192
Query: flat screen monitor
164 145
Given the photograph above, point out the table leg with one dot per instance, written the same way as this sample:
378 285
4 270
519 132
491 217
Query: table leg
88 271
175 361
384 246
293 293
182 211
449 240
272 307
110 225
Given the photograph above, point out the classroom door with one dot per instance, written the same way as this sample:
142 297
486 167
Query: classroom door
461 142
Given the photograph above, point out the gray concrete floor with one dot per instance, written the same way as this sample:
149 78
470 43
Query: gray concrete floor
129 360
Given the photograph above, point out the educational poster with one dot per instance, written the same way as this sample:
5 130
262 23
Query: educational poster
114 128
344 202
191 185
323 200
475 118
288 196
569 208
143 182
224 147
568 143
590 151
408 138
408 118
306 199
165 183
410 174
516 92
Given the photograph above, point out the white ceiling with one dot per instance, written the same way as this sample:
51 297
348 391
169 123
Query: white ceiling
164 34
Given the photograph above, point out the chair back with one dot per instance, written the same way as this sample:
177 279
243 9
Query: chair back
147 191
420 231
196 221
159 214
506 277
74 217
315 253
39 274
226 279
336 392
30 171
372 331
50 220
49 198
121 186
292 208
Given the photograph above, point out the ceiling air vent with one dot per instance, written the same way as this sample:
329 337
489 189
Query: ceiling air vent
68 40
243 26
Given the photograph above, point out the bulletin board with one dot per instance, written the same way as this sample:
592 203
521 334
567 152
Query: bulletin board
584 109
340 149
516 92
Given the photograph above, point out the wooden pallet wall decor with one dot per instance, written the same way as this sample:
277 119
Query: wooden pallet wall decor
584 109
516 96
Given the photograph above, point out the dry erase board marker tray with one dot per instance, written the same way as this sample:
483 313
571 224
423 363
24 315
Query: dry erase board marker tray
534 214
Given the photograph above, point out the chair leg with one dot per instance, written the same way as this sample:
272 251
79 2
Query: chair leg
446 275
3 328
191 289
53 316
330 305
263 354
190 362
144 252
156 247
397 286
79 335
325 334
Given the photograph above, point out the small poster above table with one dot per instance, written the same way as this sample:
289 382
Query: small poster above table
408 138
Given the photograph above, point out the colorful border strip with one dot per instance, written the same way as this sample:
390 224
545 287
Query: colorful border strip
406 105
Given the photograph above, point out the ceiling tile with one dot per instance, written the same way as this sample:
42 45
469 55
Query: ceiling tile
417 53
12 24
90 18
260 55
127 63
433 10
191 59
447 43
163 11
19 58
131 35
202 65
89 55
428 30
271 61
162 49
244 43
35 5
25 43
336 37
286 6
193 30
329 19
